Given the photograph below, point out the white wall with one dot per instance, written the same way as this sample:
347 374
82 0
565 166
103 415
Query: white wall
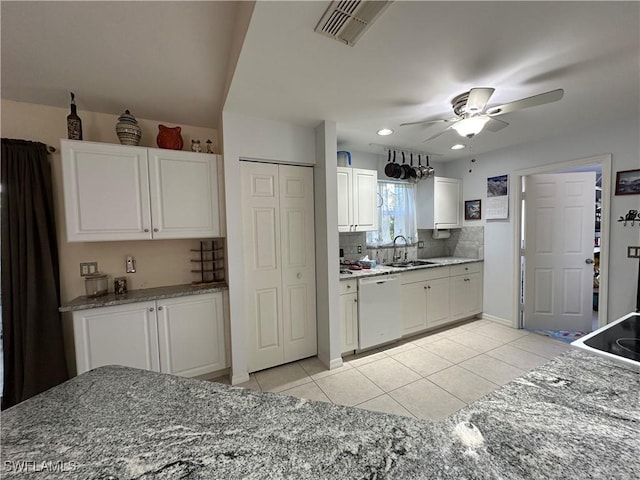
258 139
621 141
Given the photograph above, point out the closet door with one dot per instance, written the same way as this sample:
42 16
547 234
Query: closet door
263 275
298 262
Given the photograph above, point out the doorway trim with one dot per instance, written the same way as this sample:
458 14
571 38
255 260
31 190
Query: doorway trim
604 161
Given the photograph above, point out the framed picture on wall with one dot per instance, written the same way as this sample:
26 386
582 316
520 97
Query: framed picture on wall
628 182
472 209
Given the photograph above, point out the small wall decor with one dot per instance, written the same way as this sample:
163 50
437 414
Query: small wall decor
120 285
628 182
472 209
169 137
210 262
497 198
195 145
74 124
128 130
209 146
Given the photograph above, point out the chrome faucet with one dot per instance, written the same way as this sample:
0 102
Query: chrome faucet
406 244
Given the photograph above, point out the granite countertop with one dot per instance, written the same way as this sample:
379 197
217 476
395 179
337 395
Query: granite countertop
141 295
575 417
387 269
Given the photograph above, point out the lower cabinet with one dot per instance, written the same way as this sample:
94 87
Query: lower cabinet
348 316
466 291
436 296
183 335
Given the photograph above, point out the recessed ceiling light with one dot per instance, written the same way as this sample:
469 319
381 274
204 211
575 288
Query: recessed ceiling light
385 131
457 146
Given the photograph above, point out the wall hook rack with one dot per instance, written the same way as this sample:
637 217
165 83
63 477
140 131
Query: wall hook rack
632 217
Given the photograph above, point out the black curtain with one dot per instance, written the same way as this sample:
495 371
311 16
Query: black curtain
32 331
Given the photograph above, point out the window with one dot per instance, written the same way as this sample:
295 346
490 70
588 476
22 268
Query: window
396 214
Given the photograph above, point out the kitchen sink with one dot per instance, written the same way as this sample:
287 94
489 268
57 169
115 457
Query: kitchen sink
412 263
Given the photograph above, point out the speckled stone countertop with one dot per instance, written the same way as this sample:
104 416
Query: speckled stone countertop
576 417
142 295
386 269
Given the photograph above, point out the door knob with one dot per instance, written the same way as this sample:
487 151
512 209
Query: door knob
299 276
151 309
589 261
159 308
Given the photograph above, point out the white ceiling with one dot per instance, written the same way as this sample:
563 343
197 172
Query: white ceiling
169 61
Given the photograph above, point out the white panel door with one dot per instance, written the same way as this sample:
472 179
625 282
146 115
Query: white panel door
191 334
365 195
349 322
559 228
119 335
297 243
184 194
106 192
345 200
263 273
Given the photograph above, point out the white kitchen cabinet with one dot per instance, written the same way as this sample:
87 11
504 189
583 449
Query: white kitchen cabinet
191 334
438 295
183 336
439 203
357 200
348 316
414 307
118 192
466 291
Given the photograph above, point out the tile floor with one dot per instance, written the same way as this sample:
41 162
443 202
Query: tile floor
428 376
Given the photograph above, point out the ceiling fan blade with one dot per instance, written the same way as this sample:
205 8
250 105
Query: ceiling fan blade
439 120
495 125
541 99
478 98
436 135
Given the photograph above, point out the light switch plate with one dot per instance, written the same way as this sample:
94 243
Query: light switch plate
88 268
633 252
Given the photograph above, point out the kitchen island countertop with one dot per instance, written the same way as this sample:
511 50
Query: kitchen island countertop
574 417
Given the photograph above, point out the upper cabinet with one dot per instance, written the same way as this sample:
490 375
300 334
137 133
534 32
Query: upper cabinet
357 200
439 203
117 192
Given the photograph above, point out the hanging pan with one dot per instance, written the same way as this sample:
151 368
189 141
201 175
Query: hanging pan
406 169
389 167
430 170
397 172
416 170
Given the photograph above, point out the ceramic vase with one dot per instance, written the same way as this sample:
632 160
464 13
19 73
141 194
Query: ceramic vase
169 137
128 130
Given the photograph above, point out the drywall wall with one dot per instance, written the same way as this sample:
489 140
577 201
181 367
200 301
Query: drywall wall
252 138
621 141
159 262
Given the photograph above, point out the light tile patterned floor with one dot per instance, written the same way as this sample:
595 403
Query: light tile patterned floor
429 376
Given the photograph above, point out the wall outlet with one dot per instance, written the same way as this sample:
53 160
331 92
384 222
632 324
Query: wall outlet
633 252
88 268
359 248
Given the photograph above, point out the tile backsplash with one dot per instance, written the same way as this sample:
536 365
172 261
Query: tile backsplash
465 242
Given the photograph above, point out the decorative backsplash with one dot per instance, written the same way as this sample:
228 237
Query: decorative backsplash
465 242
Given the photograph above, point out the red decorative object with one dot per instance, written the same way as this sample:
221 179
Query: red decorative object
169 137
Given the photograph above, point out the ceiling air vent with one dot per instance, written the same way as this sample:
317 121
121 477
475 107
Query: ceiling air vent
346 21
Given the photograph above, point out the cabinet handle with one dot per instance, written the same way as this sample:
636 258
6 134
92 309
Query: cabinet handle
155 229
355 300
428 286
151 309
348 286
299 276
425 287
159 308
146 229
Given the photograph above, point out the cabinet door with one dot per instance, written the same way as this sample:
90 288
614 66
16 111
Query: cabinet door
448 202
106 192
297 245
459 294
184 194
474 294
365 196
438 294
345 200
120 335
414 307
349 322
191 334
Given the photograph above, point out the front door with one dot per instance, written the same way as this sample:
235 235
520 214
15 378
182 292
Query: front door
559 230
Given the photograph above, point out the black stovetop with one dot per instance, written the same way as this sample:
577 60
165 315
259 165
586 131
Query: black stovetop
621 339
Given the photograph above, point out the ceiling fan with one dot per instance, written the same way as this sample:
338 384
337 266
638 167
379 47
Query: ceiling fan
472 114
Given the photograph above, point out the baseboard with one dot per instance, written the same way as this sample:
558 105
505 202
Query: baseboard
335 363
237 378
501 321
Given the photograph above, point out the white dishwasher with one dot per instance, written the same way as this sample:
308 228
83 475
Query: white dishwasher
379 310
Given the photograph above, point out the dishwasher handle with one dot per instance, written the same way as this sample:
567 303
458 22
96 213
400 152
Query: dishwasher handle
379 280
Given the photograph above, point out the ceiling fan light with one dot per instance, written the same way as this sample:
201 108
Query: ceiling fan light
457 146
385 131
470 126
